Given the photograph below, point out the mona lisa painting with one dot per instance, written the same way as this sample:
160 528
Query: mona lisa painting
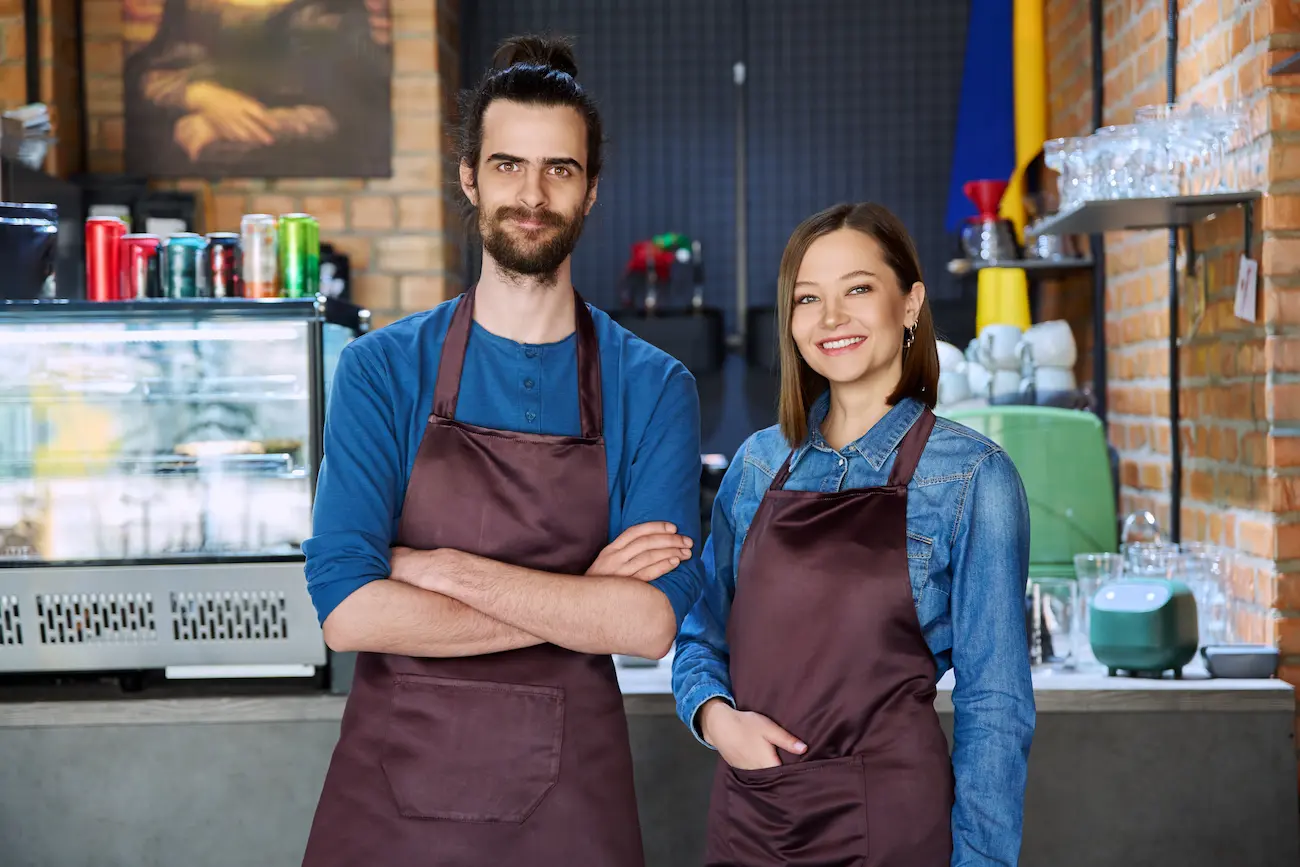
258 88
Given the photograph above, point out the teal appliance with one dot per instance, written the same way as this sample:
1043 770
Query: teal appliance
1143 626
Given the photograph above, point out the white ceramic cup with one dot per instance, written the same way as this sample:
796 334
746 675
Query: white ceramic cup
1052 344
977 375
954 386
950 357
1004 384
1054 379
997 349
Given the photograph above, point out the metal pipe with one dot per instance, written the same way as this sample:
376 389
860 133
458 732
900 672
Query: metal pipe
1175 440
1097 242
742 204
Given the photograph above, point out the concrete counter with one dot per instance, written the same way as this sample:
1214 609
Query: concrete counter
1126 771
648 691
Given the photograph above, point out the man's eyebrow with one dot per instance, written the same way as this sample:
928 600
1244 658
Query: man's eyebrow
548 161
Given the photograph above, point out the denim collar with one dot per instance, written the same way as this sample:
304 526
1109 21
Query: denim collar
875 446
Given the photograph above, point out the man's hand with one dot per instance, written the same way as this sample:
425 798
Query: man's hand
645 551
745 740
411 567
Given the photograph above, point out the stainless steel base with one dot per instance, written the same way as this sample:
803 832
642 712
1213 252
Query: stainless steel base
115 618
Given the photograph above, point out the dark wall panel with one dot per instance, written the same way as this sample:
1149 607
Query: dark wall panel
844 100
851 101
662 74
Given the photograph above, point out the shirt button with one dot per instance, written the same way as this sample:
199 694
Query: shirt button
841 461
528 383
530 415
530 352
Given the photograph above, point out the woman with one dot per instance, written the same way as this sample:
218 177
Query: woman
860 549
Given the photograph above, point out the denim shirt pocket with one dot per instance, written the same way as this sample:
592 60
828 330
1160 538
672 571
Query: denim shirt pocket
919 550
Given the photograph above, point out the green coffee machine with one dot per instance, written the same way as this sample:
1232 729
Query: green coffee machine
1144 626
1062 459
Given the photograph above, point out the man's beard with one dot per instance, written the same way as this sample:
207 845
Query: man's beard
540 260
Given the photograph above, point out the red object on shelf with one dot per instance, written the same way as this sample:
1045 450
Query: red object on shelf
104 258
644 252
986 195
138 251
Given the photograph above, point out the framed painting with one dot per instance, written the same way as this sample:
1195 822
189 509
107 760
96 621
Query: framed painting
258 88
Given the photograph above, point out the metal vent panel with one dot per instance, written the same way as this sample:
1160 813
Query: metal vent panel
11 626
236 615
96 618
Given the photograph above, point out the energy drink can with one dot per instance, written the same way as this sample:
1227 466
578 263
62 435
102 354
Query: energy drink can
257 241
182 269
103 258
140 267
299 256
222 265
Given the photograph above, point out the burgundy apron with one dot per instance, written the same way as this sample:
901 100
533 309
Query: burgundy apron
825 641
513 758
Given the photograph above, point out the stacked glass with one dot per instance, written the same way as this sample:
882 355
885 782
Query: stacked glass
1168 150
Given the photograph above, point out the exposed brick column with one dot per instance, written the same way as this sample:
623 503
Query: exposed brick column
13 55
1240 432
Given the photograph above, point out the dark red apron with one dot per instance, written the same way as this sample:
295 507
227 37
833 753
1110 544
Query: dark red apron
514 758
825 641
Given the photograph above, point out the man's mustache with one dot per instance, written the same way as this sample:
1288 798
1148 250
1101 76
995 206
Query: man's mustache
541 215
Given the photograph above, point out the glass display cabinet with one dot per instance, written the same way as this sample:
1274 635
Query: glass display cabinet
157 467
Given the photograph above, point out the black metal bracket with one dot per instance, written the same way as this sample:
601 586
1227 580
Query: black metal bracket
32 45
1097 242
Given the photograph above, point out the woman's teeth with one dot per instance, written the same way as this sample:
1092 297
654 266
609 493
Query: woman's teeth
841 344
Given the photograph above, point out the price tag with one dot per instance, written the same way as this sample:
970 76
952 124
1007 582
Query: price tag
1244 306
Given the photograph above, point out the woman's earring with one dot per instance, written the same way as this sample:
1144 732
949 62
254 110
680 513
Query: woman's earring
909 336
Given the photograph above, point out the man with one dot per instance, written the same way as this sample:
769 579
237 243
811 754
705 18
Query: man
499 441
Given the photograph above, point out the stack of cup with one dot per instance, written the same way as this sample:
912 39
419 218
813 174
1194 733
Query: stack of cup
1046 355
996 352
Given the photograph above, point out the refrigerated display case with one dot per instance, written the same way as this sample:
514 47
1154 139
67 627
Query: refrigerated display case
157 468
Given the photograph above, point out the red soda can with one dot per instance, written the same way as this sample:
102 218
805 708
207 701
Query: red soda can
103 258
223 269
139 267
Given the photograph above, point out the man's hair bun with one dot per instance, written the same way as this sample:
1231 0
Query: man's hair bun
552 52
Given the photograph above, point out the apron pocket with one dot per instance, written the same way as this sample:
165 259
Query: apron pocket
472 750
808 813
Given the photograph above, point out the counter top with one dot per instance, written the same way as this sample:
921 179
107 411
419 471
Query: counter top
648 691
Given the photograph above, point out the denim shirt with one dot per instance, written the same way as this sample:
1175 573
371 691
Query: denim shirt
968 561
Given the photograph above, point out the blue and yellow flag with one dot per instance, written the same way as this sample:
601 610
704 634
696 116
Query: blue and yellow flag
1002 118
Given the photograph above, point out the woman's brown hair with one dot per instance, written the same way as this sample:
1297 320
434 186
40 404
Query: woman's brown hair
800 384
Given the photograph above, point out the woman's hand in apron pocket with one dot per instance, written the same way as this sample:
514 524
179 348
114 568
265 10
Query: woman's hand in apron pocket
746 740
644 551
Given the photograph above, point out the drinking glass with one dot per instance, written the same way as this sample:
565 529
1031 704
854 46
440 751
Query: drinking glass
1206 569
1091 571
1052 622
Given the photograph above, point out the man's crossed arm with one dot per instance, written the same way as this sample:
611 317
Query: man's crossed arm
447 603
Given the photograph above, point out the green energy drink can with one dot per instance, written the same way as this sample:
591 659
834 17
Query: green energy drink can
181 259
299 255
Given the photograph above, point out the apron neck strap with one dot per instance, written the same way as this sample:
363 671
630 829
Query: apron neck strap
783 474
909 450
452 363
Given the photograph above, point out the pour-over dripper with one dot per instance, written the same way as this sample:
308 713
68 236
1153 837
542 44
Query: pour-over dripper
995 240
986 196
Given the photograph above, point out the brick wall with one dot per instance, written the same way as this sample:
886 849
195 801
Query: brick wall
1069 94
399 232
13 54
1240 435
